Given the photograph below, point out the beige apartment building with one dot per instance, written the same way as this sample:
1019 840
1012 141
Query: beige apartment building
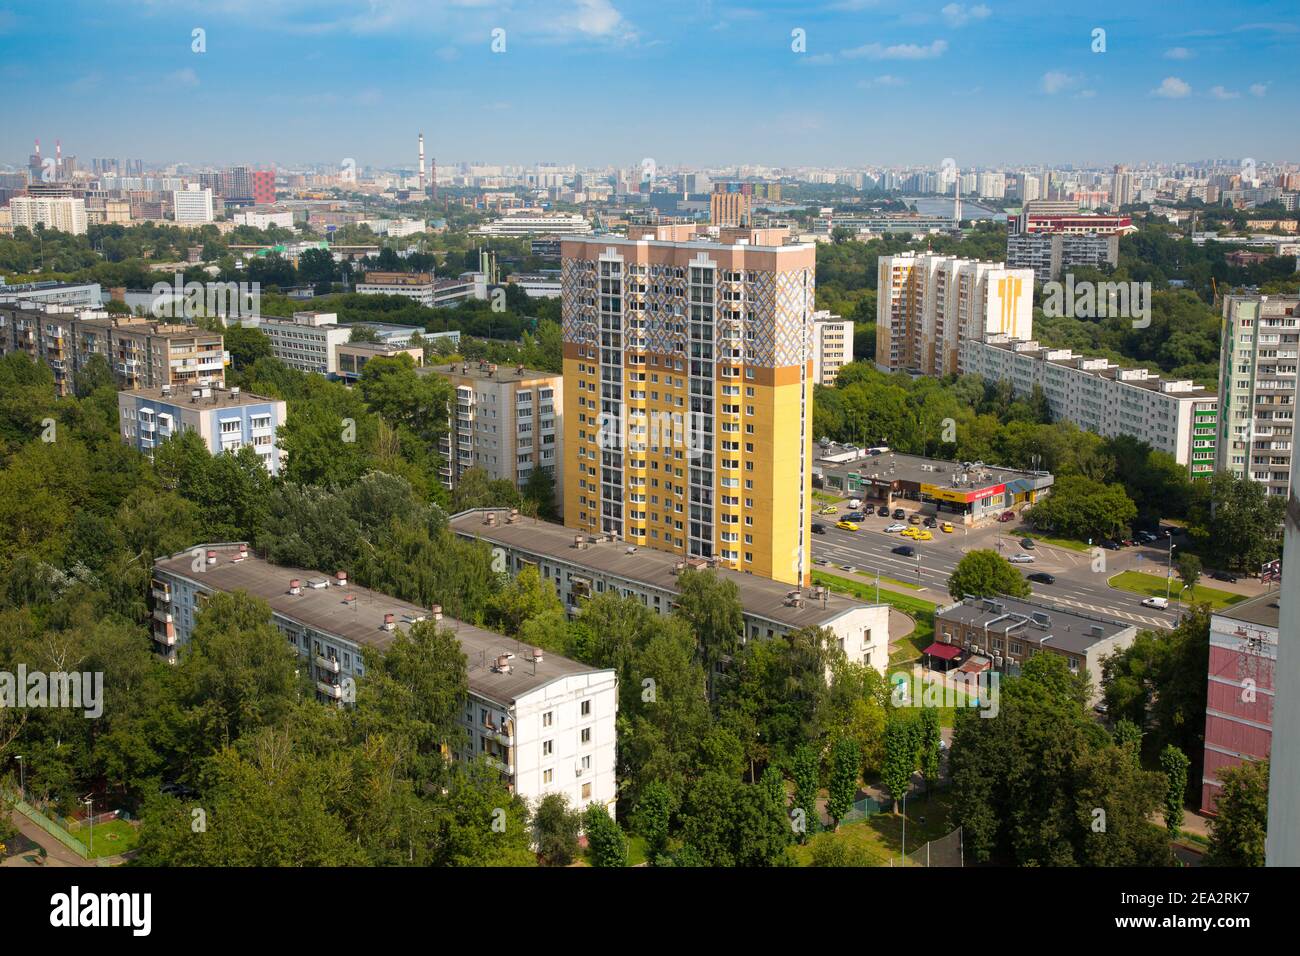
928 304
506 420
688 407
143 353
832 346
730 209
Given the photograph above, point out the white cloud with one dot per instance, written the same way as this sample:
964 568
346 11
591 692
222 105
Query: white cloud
900 51
185 77
1085 94
1178 53
957 15
1172 88
1219 93
598 18
1057 81
1258 89
884 80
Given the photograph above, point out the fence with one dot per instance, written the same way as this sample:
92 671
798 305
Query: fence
944 851
53 824
866 807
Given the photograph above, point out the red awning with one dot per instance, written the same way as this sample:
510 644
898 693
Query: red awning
945 652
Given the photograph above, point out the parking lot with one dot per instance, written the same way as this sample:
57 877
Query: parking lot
1080 581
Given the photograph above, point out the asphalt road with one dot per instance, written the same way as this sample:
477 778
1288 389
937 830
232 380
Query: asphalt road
1077 586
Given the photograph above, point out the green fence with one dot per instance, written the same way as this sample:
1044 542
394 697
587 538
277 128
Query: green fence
48 825
866 807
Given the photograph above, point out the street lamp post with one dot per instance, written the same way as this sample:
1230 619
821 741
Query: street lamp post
90 819
22 776
1169 571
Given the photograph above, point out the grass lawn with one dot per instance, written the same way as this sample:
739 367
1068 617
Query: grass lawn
920 610
1069 543
881 836
825 498
636 852
111 838
1153 585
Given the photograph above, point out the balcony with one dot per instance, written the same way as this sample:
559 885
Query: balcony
165 636
332 691
327 663
162 594
162 615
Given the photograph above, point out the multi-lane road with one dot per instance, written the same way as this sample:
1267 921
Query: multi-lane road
1081 580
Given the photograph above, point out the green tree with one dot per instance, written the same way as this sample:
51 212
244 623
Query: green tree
984 573
1174 763
1239 828
712 608
1189 569
805 769
900 757
930 746
652 817
557 828
605 838
845 760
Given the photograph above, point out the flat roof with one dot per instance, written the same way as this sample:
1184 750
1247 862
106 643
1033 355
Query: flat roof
504 372
1263 611
1070 631
760 597
895 466
361 622
180 395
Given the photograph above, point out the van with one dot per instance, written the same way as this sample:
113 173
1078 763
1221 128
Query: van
855 504
1159 603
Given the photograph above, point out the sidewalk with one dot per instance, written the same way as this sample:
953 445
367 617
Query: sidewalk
56 853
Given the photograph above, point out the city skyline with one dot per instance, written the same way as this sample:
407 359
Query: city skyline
276 82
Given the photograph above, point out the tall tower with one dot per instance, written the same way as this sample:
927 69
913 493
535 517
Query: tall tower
433 177
421 165
956 203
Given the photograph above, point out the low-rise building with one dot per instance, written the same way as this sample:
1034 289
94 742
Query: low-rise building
1003 632
1177 417
547 723
537 224
505 420
352 357
308 342
1240 689
580 565
226 420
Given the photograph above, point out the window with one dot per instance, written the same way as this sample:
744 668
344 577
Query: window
548 748
586 708
586 790
548 718
586 735
548 776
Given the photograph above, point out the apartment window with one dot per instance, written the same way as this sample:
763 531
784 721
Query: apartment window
548 748
586 790
548 776
586 735
586 708
548 718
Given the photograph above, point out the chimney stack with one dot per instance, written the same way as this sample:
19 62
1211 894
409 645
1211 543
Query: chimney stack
390 621
212 557
341 578
295 586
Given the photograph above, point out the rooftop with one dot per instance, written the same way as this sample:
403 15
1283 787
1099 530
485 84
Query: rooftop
488 372
1262 611
1038 623
895 466
322 606
760 597
216 397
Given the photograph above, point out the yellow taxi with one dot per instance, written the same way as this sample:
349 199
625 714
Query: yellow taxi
846 526
923 535
827 510
947 527
910 532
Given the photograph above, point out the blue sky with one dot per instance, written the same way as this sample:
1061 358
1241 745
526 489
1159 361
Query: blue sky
613 81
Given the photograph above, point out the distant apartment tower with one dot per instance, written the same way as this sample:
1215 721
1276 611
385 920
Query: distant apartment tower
1240 689
263 186
1051 236
142 353
225 419
729 208
928 304
688 398
65 214
832 346
1258 361
1179 418
506 420
192 205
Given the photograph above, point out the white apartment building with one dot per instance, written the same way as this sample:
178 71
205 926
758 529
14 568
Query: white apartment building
506 420
265 218
546 723
832 346
532 224
226 419
1258 359
308 341
64 214
579 565
929 304
1175 417
193 204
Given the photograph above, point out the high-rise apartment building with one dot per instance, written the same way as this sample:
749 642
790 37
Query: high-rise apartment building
263 183
928 304
192 205
729 208
508 421
1258 361
65 214
832 346
1050 236
688 395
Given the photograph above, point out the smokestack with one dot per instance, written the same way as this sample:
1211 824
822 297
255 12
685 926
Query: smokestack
38 149
421 165
58 156
434 177
956 203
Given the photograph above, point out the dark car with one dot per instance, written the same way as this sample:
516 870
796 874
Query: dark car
1147 536
906 550
818 528
914 518
931 522
1042 577
1227 576
1027 544
882 512
855 516
1110 545
899 514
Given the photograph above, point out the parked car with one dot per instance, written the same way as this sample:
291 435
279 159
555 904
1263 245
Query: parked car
1147 537
1159 603
1007 516
906 550
1021 558
947 527
1110 545
882 512
822 561
914 518
818 528
910 532
1127 542
931 521
846 526
924 535
897 526
855 503
1227 576
1027 544
849 568
1042 577
855 516
827 510
899 514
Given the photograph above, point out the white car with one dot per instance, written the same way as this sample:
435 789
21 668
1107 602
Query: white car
1021 558
855 504
1159 603
895 527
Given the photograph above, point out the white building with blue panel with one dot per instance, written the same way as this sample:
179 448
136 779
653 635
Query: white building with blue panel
226 419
